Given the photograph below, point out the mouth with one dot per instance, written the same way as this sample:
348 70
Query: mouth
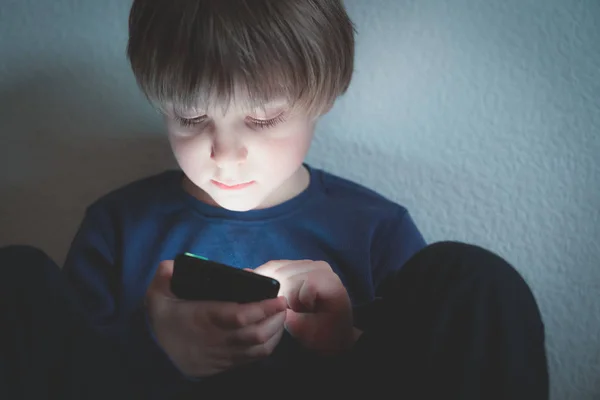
232 186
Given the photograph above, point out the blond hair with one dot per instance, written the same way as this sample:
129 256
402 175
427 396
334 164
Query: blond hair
189 53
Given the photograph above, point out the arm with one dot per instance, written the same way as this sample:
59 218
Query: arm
94 270
393 244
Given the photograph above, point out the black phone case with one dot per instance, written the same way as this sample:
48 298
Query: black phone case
199 279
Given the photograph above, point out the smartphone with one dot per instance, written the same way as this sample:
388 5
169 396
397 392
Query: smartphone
197 278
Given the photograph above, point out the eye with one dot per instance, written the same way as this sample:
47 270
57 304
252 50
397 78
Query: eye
267 123
190 122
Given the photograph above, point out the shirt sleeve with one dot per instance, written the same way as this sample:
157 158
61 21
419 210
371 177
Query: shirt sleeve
93 269
393 245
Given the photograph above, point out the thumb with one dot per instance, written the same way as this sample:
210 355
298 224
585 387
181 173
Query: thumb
161 283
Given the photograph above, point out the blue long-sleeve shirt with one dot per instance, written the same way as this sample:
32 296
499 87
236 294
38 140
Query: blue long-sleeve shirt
128 232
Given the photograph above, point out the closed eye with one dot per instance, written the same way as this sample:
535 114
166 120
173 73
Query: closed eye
190 122
267 123
256 122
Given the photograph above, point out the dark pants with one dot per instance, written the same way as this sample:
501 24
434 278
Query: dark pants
457 322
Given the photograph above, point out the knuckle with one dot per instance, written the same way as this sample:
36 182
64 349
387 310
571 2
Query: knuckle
259 337
323 265
239 320
270 264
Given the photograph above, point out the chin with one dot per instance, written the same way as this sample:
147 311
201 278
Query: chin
239 205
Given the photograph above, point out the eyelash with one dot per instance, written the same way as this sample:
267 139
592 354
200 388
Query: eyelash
261 124
189 122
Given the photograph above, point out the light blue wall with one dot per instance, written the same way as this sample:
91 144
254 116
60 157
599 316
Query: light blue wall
481 116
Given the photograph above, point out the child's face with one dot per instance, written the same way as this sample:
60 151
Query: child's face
242 159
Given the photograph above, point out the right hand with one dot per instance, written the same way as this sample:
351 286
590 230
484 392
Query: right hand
204 338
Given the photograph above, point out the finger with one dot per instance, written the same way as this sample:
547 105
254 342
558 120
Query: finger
160 302
235 316
265 349
259 333
295 325
282 270
307 296
268 268
313 291
300 292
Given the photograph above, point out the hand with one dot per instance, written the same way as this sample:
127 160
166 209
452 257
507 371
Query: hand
320 312
204 338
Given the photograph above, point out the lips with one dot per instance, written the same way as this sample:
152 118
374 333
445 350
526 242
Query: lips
231 185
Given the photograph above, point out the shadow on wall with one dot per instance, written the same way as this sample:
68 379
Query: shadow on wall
68 138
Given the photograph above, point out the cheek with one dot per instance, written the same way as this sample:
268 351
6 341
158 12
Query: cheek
283 155
291 149
189 153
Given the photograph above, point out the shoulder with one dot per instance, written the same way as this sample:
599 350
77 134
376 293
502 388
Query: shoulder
388 226
142 194
353 196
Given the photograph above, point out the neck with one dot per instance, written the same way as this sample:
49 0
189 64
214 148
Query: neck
291 188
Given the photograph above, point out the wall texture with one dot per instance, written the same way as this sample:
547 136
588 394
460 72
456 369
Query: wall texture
482 117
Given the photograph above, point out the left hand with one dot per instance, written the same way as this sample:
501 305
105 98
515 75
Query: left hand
319 311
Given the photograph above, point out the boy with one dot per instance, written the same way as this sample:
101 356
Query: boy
365 303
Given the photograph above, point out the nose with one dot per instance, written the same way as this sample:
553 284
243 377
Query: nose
228 151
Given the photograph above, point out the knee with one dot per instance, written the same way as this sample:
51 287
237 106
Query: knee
474 270
21 254
23 262
462 259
